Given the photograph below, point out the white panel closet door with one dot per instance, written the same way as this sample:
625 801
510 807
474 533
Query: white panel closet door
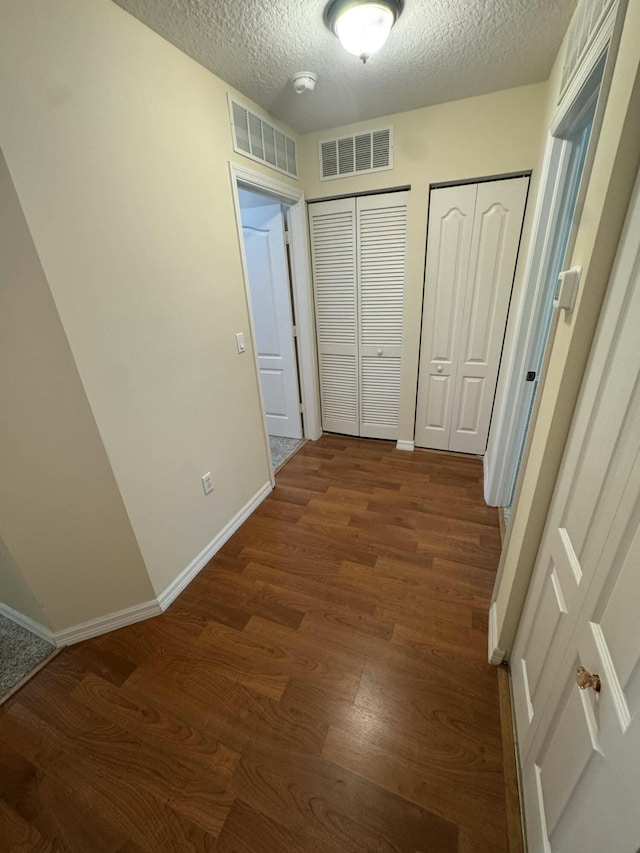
382 252
494 250
472 248
359 249
448 248
333 252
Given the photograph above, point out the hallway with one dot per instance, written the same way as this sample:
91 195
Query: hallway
321 686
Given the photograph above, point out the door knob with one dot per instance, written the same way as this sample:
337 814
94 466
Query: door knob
380 351
585 680
439 368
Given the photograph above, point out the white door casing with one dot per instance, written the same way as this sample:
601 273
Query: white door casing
358 251
472 249
579 750
267 267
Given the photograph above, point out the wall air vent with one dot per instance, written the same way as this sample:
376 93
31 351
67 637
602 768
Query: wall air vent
356 155
255 138
586 24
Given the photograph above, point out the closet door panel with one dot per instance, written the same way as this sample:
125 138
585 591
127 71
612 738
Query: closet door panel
333 250
382 251
494 250
451 213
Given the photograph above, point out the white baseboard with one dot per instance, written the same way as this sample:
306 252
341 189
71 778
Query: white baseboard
496 655
187 575
405 445
110 622
24 621
147 609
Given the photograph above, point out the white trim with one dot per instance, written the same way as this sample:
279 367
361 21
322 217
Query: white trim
110 622
25 622
187 575
405 445
300 254
139 612
598 43
286 192
513 398
496 655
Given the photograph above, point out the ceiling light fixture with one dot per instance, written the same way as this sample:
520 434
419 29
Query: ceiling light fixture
362 26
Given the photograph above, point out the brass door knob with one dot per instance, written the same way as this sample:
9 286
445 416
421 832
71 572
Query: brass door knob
585 680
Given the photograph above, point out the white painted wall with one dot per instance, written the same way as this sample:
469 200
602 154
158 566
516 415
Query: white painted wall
118 145
69 551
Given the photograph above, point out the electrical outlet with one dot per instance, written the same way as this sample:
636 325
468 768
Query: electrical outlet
207 483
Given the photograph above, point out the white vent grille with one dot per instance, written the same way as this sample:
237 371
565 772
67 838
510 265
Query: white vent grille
585 24
355 155
256 138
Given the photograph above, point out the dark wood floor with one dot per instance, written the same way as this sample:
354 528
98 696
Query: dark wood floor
321 687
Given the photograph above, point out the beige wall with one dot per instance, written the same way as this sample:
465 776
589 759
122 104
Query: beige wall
488 135
70 554
15 592
119 146
614 170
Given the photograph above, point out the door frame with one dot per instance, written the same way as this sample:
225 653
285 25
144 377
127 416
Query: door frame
512 414
301 295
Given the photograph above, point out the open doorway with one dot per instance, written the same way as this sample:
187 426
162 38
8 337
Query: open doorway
265 235
570 148
273 233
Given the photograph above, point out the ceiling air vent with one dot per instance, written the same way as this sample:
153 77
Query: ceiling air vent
356 155
256 138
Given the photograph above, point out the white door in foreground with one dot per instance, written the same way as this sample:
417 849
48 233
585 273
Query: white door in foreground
580 748
265 251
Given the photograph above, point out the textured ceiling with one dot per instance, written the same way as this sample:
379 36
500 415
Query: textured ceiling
439 50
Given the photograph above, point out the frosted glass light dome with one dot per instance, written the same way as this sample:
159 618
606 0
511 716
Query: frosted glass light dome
363 27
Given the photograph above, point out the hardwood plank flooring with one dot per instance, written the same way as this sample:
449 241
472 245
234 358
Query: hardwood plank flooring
320 687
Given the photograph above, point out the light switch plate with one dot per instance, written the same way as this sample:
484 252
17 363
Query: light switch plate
240 342
567 289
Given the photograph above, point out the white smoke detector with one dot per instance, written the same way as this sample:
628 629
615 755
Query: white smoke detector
304 81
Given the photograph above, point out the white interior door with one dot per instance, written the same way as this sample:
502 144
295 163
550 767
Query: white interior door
497 226
359 249
580 750
451 212
472 249
333 252
381 252
267 267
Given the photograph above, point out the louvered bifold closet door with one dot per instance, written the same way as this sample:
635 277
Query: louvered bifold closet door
382 252
333 252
